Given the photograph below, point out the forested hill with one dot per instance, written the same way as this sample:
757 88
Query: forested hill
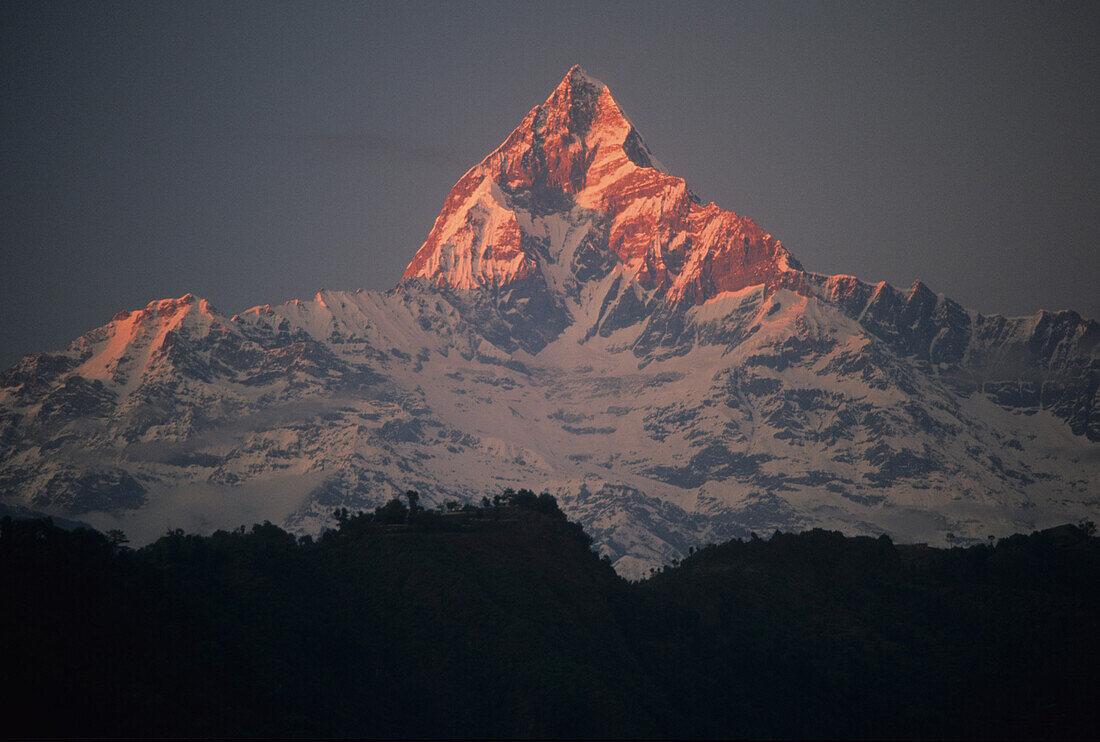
500 621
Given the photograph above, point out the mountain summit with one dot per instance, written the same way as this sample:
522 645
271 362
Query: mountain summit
578 322
573 196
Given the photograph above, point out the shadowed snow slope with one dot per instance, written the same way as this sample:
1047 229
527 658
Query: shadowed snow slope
576 322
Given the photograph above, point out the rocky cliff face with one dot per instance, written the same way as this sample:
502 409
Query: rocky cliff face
574 198
576 321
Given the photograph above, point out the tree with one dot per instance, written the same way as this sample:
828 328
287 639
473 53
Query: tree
117 539
525 498
547 504
414 501
393 511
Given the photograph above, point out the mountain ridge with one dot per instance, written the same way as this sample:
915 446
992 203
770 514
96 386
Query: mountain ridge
579 322
579 151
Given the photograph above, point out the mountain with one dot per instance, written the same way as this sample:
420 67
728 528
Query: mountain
576 321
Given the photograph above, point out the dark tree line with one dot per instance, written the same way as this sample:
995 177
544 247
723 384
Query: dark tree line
499 620
397 512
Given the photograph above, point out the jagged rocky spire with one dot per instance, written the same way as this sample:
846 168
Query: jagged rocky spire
577 158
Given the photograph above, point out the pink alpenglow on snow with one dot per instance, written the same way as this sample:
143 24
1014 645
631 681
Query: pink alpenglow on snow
579 323
579 154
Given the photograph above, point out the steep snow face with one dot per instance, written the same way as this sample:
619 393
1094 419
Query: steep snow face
137 345
764 410
578 160
576 322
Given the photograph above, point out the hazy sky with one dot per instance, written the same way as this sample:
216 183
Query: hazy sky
253 153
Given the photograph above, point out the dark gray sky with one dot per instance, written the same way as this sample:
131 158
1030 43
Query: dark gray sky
256 152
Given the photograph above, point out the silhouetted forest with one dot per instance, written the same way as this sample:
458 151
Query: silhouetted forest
500 621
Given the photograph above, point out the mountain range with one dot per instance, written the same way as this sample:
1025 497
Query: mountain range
578 322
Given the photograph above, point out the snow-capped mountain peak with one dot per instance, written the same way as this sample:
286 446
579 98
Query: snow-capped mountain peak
573 197
576 321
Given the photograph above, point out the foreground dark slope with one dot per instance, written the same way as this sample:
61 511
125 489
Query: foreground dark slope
501 622
821 635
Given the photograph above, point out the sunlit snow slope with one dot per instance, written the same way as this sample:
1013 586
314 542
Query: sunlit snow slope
577 322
